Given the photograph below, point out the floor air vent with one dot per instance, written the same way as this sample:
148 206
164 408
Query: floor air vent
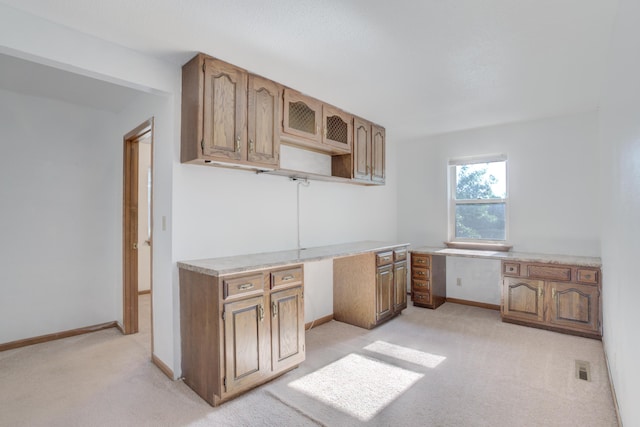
583 370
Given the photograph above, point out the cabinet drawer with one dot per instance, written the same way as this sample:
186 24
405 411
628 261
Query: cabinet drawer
420 260
511 268
421 285
420 273
549 272
384 258
243 285
422 297
587 276
400 254
288 277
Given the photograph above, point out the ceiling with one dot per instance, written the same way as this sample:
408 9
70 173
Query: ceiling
416 67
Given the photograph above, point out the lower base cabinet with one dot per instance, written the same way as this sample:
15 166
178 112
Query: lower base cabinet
428 280
370 288
564 298
240 331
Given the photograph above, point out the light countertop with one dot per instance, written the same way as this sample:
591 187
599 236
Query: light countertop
582 261
241 263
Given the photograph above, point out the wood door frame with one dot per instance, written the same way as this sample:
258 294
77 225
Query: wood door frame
130 228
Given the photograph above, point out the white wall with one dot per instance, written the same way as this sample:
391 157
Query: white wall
29 37
318 289
163 110
479 279
553 178
59 207
620 144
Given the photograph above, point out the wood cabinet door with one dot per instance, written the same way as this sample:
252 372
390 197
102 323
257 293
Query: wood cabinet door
246 343
337 128
523 299
400 285
384 292
377 154
302 116
263 122
361 149
287 329
574 306
225 111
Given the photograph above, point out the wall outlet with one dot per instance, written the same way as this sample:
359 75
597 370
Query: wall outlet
458 281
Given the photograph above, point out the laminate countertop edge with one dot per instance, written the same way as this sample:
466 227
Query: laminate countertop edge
582 261
251 262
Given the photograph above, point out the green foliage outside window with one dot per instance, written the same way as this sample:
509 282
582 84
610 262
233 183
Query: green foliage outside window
478 220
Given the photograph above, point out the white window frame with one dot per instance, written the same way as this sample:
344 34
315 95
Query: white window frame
453 201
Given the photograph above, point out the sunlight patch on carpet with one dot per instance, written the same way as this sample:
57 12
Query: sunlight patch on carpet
357 385
421 358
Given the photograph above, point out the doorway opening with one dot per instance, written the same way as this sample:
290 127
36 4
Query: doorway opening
137 239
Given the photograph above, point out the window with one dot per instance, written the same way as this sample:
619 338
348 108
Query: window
478 200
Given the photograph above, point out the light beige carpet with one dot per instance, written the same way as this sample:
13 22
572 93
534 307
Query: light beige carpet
455 366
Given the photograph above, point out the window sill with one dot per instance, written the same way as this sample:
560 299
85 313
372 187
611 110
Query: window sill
497 247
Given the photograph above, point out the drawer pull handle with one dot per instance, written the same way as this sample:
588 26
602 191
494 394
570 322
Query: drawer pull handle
245 286
285 278
587 276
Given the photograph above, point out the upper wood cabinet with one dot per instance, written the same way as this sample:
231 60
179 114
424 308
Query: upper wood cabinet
265 104
225 110
368 156
302 118
338 128
233 118
361 149
313 124
228 115
378 141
